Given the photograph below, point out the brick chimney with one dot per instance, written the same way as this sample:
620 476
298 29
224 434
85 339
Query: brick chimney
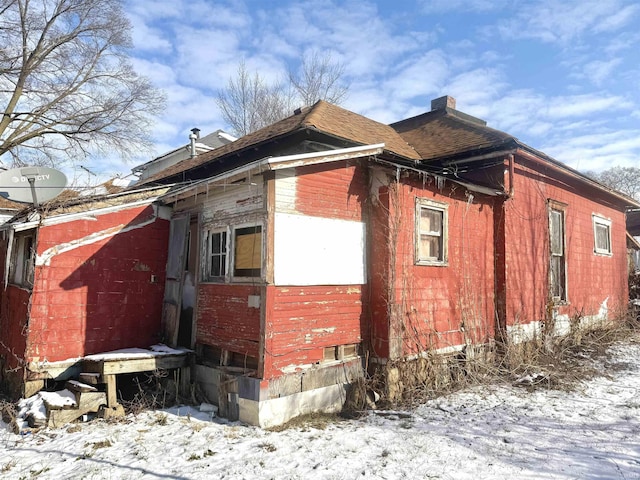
443 102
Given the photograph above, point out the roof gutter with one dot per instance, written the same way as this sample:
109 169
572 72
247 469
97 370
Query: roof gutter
627 201
524 151
493 192
280 163
69 217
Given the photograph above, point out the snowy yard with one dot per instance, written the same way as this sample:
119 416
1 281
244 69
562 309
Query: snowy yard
483 433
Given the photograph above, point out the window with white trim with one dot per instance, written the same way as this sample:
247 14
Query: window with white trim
601 235
217 254
431 232
234 252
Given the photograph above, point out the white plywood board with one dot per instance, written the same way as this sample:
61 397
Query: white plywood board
318 251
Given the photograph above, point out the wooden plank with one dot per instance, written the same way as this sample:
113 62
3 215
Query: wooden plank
89 402
76 386
92 366
90 378
163 362
112 391
133 365
185 382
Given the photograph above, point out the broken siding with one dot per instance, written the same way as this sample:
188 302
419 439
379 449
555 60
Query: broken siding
306 320
592 279
223 202
228 314
228 318
319 265
98 295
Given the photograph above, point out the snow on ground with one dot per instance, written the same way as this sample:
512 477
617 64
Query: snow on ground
495 432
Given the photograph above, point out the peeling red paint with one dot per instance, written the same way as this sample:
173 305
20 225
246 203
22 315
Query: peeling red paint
225 319
91 298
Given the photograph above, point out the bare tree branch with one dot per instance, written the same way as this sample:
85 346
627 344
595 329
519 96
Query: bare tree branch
623 179
319 79
249 103
66 84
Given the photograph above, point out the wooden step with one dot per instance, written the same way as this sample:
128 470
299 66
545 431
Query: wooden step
89 402
79 387
90 378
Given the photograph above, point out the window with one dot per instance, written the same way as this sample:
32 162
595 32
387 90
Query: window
431 232
236 251
558 276
23 259
602 235
217 254
248 251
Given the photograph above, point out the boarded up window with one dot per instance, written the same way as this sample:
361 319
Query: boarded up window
558 278
431 232
248 252
602 235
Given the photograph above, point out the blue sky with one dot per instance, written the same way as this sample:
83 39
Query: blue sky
562 76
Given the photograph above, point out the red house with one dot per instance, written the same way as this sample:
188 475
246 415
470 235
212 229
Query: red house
81 277
328 239
327 243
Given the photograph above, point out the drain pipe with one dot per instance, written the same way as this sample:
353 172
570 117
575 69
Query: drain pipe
511 175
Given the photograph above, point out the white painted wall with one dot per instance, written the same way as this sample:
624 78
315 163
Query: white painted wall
318 251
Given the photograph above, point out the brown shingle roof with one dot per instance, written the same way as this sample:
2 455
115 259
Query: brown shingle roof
447 132
9 205
323 117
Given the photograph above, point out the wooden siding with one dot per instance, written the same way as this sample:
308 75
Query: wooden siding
98 296
591 278
302 319
420 307
13 323
305 320
225 319
224 202
333 190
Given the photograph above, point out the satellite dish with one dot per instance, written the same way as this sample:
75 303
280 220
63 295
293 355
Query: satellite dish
31 184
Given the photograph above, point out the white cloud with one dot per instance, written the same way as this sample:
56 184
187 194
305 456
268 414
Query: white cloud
565 21
418 76
598 151
478 87
618 19
146 38
599 71
584 105
439 6
396 63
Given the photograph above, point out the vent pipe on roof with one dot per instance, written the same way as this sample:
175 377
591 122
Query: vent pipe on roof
195 135
443 102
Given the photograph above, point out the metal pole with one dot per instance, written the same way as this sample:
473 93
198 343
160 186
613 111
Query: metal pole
32 184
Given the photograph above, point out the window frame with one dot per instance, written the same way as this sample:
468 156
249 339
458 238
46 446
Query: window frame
599 221
209 254
230 270
563 297
233 244
443 210
22 267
